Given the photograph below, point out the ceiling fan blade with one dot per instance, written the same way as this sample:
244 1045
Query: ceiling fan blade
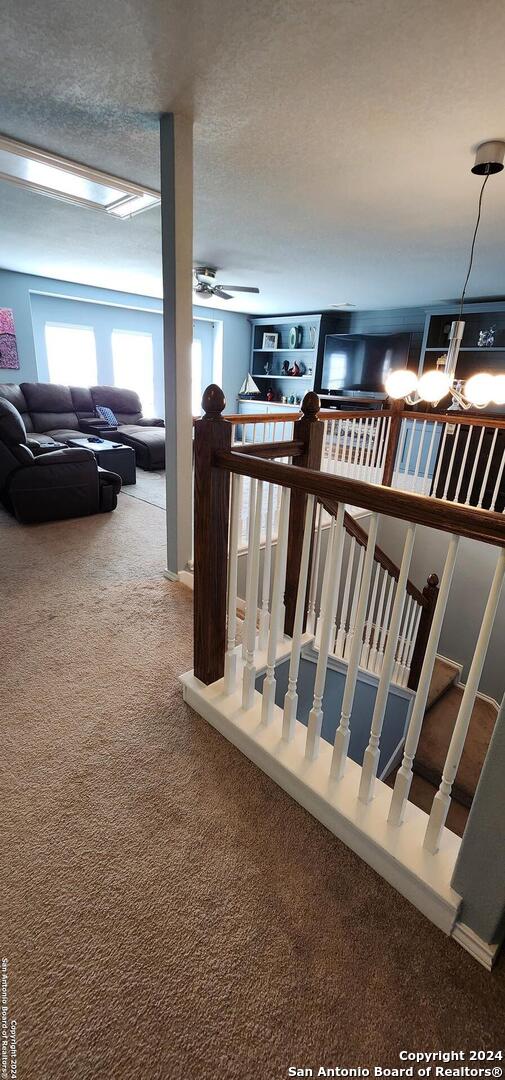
218 291
240 288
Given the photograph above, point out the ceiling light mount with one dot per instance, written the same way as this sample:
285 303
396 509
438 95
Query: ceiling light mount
489 157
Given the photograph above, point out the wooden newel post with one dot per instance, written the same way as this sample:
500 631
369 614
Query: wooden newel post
393 439
308 430
211 512
430 593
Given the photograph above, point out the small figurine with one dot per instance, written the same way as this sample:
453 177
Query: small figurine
486 338
285 367
270 394
295 370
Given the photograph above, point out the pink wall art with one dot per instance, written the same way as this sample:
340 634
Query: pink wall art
8 348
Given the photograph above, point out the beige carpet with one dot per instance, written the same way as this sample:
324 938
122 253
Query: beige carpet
167 912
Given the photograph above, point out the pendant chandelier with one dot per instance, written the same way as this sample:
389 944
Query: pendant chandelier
434 384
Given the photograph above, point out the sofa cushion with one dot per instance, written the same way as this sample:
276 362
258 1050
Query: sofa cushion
50 406
12 392
62 434
125 404
148 443
82 401
12 428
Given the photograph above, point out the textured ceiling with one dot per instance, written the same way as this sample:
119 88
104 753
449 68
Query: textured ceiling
332 141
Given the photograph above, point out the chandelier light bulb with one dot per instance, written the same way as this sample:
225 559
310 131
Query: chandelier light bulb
479 389
499 390
433 385
400 383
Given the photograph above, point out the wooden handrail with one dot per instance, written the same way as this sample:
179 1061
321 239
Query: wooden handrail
456 418
293 448
485 525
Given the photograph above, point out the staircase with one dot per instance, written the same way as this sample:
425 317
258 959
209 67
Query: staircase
442 709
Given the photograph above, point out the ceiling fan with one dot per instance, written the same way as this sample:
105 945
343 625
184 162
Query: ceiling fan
206 285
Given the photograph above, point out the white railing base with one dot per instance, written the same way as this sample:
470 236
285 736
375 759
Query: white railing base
480 950
397 854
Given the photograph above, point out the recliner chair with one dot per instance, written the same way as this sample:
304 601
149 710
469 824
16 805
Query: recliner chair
49 485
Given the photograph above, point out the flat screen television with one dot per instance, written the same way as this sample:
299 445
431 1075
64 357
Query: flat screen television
359 363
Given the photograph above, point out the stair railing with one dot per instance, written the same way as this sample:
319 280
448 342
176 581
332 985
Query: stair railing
387 837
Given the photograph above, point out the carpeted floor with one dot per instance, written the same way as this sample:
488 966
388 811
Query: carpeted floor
167 911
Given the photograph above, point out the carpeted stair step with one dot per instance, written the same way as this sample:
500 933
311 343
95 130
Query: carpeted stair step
436 734
444 675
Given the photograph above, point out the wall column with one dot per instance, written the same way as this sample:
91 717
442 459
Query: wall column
176 145
479 875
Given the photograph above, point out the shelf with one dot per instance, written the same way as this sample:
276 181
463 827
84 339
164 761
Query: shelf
299 378
467 348
298 349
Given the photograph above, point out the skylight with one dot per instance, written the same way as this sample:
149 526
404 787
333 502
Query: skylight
51 175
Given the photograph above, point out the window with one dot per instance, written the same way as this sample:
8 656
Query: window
71 354
196 377
132 358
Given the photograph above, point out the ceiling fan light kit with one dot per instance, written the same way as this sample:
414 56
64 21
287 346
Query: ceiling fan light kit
206 286
433 385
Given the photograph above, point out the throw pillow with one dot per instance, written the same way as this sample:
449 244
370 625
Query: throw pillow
107 415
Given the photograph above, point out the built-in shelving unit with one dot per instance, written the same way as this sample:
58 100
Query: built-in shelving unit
487 316
267 366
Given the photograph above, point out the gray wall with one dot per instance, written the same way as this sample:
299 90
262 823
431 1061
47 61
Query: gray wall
479 876
472 578
20 291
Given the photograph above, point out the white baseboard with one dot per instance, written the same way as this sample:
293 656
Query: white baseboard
396 853
186 578
480 950
170 575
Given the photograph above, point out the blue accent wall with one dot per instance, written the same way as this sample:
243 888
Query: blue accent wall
33 299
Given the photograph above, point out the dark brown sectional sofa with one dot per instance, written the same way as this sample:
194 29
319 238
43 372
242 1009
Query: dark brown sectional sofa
53 413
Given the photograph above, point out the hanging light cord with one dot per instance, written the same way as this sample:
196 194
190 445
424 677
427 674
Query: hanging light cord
472 249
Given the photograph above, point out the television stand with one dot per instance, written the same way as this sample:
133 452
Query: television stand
348 402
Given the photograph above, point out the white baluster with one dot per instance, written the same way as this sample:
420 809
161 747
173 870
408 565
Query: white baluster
367 642
267 564
439 464
325 585
342 734
426 478
408 483
342 631
488 466
474 467
498 480
462 466
351 457
249 671
385 626
412 641
230 660
326 450
336 456
250 531
269 683
376 628
419 455
402 442
371 756
451 462
395 677
405 773
334 557
314 577
407 635
386 427
291 697
354 607
442 800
